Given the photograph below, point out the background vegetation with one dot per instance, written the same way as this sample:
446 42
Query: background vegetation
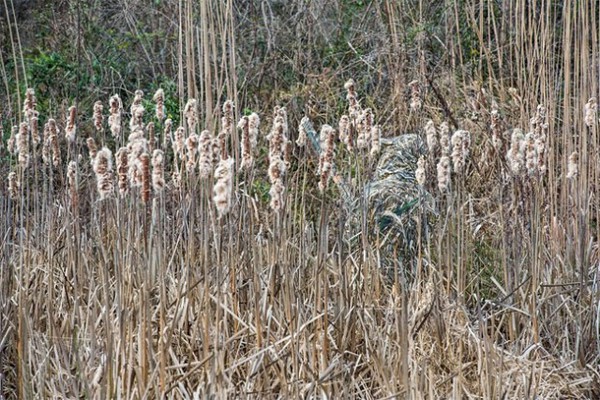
117 298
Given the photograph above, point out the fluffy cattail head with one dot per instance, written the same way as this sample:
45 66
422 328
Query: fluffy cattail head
443 174
191 144
326 157
29 104
13 185
103 168
590 112
375 140
35 129
98 107
253 126
226 127
92 148
159 99
206 154
222 190
72 183
123 171
151 136
179 143
353 105
167 133
573 169
190 113
531 155
71 128
344 129
516 155
23 145
431 136
246 144
445 138
146 177
158 171
114 119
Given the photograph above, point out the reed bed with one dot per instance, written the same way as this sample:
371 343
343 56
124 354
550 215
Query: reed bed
442 245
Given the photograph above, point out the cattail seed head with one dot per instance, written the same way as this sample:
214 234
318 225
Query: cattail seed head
92 148
516 156
191 144
190 113
98 108
443 174
445 139
302 135
276 173
23 145
114 119
29 104
222 190
326 157
226 128
375 140
158 171
353 105
254 126
179 143
159 99
123 171
590 112
206 154
14 185
103 168
146 177
246 144
345 132
151 137
531 156
167 133
573 169
71 128
72 184
431 136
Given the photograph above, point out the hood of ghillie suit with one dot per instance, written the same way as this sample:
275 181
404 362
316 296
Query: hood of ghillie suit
400 211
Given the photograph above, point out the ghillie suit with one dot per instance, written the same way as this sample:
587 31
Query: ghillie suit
398 211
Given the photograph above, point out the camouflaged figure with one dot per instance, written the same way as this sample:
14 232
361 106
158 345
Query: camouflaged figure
400 208
397 206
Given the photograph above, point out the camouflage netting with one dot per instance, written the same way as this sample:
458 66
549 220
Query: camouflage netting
399 211
400 208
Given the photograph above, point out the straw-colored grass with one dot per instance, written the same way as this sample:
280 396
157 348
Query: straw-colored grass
442 243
